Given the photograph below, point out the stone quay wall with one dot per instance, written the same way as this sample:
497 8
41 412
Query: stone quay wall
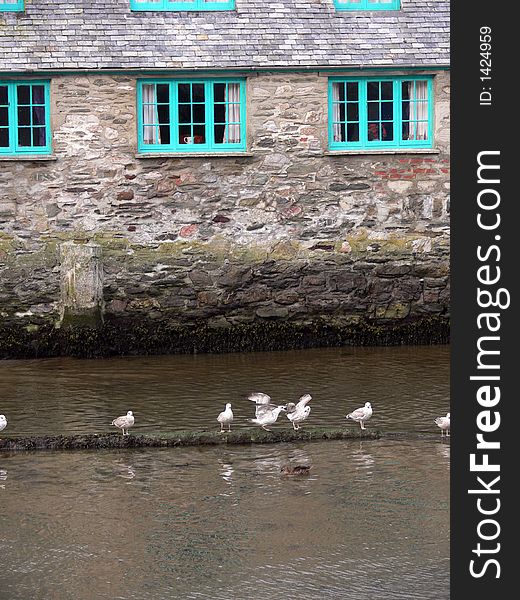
286 241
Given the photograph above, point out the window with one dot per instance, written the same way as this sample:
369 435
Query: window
367 4
182 4
11 5
24 118
191 115
380 113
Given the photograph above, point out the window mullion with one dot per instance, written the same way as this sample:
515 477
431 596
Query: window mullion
14 103
398 112
11 116
209 112
363 113
174 115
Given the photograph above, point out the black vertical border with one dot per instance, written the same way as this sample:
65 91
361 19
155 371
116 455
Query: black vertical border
477 127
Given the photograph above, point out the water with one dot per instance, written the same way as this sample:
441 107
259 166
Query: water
370 522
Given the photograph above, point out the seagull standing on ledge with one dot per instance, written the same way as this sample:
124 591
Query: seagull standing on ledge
444 424
124 422
268 418
224 417
263 403
3 422
360 415
297 413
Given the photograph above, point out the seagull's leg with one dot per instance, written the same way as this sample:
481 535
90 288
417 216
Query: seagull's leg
264 427
229 427
294 426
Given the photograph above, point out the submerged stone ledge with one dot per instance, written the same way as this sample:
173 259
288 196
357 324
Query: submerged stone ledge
111 441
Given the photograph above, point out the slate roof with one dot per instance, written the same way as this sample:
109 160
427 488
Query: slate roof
105 34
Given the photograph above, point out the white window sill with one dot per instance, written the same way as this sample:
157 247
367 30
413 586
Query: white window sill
193 154
28 157
382 151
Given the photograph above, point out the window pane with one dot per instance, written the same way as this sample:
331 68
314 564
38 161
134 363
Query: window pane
352 112
4 116
24 115
387 90
38 94
3 95
184 90
373 111
353 132
4 138
24 136
353 91
387 132
23 94
39 136
373 90
38 115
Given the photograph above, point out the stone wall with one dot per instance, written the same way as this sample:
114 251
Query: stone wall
285 234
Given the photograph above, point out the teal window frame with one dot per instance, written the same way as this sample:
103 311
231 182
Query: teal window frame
367 5
174 5
14 148
16 7
175 146
397 115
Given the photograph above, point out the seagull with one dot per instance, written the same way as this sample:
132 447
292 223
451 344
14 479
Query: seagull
297 413
3 422
361 414
268 418
224 417
444 424
124 422
263 403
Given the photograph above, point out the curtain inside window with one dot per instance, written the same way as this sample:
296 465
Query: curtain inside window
421 110
336 113
232 133
151 133
415 110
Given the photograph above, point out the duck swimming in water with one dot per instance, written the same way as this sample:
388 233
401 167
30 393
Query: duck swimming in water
360 415
295 469
225 417
268 418
297 413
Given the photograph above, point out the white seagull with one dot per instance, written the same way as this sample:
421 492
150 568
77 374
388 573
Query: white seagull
124 422
225 417
268 418
263 403
360 415
3 422
444 424
297 413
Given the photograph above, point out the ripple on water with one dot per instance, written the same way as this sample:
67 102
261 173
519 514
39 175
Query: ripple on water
370 521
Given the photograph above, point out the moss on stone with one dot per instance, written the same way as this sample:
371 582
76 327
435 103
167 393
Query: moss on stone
183 438
127 336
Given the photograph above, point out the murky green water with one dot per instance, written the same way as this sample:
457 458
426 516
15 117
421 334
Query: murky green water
370 522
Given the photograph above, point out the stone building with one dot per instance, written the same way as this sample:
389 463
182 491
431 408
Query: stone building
222 174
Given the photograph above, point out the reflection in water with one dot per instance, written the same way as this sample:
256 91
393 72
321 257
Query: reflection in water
221 523
213 522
